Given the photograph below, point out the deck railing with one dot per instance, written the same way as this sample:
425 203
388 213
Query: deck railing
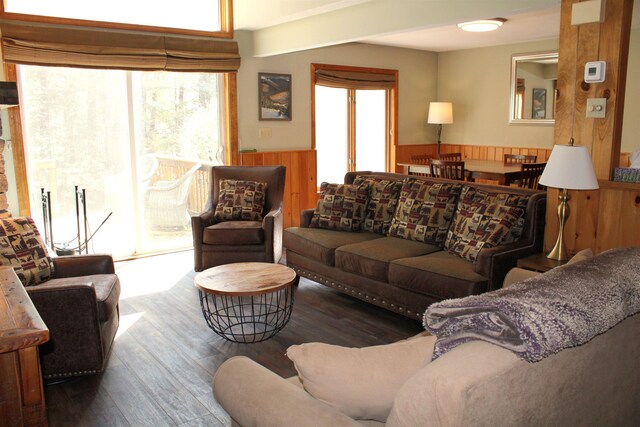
172 168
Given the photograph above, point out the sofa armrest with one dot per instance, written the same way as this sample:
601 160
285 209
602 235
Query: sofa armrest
82 265
255 396
305 217
494 263
516 275
272 227
198 224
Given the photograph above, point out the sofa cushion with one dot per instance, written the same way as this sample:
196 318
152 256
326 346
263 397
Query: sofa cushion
360 382
439 274
383 201
319 244
22 248
425 211
485 219
341 207
234 233
240 200
371 258
107 287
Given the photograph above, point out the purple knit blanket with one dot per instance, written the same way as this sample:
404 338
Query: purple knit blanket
537 317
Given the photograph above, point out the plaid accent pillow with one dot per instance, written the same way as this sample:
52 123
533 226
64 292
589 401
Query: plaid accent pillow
341 207
382 202
485 219
424 211
240 200
22 248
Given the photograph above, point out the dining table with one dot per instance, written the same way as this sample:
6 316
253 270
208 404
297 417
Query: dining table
494 170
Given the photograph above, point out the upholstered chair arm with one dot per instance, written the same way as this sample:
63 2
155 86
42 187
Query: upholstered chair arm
272 226
268 399
198 224
305 217
494 263
71 314
82 265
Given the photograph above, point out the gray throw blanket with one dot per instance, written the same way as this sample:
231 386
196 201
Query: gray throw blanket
537 317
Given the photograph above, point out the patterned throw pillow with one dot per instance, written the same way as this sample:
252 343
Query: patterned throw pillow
341 207
240 200
22 248
484 220
425 211
382 202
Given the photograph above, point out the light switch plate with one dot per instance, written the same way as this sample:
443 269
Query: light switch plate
596 108
264 133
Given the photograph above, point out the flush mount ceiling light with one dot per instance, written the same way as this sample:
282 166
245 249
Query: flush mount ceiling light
482 25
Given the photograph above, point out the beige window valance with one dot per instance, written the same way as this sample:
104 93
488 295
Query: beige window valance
354 79
66 46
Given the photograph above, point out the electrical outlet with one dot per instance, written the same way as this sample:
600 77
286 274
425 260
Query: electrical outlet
596 108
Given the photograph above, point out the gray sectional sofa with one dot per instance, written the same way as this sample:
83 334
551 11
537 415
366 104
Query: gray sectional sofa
404 275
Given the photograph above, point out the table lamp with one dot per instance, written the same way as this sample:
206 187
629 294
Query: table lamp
440 113
569 168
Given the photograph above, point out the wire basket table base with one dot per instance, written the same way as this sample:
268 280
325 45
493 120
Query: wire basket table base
247 319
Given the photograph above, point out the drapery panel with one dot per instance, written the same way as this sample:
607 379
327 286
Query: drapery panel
66 46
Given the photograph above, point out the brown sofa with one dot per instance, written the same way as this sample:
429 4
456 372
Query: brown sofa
407 276
80 306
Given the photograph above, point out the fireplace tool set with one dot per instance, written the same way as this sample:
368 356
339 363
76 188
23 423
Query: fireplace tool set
81 211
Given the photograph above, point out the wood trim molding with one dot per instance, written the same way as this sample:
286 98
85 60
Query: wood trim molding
231 118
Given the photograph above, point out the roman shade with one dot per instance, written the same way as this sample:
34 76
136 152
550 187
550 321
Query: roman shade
354 79
68 46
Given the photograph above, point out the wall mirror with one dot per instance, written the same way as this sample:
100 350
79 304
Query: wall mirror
534 80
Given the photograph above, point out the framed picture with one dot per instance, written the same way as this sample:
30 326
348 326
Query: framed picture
274 96
539 106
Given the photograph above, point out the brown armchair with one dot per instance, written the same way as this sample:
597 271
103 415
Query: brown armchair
80 306
216 243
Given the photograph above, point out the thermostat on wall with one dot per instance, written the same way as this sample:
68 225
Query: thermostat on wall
594 71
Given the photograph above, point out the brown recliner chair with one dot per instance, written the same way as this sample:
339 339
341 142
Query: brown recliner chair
216 243
80 306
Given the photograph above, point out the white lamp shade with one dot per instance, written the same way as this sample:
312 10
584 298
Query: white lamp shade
569 167
440 113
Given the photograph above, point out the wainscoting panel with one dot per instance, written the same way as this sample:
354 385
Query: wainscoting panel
301 182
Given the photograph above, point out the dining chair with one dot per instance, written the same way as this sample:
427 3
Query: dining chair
420 159
512 159
447 169
451 157
530 175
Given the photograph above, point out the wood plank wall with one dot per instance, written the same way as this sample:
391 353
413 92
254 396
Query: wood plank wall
300 184
610 216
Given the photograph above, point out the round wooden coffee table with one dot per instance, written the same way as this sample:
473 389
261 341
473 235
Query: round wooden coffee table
247 302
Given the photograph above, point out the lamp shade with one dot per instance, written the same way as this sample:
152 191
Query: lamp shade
569 167
440 113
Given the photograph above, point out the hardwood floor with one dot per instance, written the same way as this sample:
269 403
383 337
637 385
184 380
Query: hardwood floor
164 357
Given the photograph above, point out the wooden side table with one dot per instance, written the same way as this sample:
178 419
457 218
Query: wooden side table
21 332
539 262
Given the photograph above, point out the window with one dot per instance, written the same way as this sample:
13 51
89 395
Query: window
137 142
189 16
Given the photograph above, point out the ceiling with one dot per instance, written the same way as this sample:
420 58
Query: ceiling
417 24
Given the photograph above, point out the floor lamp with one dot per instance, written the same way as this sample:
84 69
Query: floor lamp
440 113
569 168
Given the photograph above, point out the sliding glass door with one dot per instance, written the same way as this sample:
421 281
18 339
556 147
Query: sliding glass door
136 145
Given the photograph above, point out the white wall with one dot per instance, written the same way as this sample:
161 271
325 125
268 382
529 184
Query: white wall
417 86
631 118
477 81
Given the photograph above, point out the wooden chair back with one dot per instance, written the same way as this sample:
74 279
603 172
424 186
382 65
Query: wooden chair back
512 159
451 157
530 175
419 159
447 169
